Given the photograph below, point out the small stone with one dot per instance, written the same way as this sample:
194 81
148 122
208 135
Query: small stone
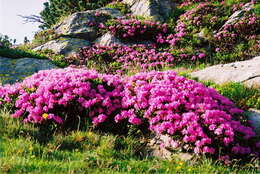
183 156
237 15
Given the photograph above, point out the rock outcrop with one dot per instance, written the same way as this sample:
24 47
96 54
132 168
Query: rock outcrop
153 9
78 30
64 46
80 24
12 70
247 72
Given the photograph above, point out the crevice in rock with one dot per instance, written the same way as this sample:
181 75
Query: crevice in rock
250 78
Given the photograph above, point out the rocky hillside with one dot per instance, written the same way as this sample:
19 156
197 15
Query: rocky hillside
144 35
154 66
131 36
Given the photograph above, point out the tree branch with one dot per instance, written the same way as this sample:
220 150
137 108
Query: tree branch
32 19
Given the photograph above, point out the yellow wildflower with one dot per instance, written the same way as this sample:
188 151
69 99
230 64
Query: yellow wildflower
181 163
178 167
45 115
30 148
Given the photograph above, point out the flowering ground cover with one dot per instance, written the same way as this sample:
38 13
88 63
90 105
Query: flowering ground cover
119 58
197 118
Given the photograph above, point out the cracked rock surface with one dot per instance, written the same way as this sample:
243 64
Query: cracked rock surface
247 72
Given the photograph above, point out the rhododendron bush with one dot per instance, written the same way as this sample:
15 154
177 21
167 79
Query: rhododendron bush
144 30
54 94
133 29
126 57
197 118
244 31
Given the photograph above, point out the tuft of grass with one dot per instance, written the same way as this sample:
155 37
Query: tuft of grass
122 7
18 53
244 97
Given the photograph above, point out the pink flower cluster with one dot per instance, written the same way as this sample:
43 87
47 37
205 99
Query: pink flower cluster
143 56
133 29
198 119
137 30
206 14
47 94
244 30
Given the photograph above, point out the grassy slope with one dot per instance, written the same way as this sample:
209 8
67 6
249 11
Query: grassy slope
24 150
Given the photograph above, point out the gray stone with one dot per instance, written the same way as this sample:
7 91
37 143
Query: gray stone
12 70
247 72
156 149
64 46
254 117
76 25
161 146
108 39
153 9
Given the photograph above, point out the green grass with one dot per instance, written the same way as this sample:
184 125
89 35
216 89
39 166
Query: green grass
24 149
17 53
23 52
243 96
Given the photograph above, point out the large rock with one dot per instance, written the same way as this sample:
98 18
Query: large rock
64 46
80 24
154 9
247 72
12 70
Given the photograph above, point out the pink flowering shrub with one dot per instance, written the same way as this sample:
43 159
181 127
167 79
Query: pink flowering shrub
134 29
145 57
64 95
247 29
205 15
229 42
197 118
145 30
